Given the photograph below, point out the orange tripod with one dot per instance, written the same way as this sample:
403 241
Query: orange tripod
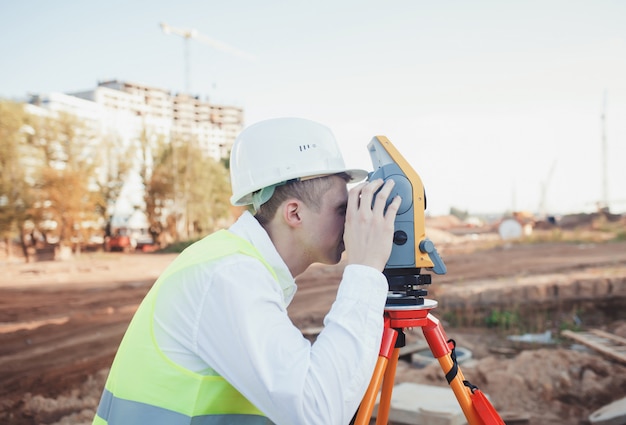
406 306
476 407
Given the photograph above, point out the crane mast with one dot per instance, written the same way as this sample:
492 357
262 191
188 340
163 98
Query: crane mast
191 33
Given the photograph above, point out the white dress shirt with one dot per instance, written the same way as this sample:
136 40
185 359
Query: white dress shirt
230 317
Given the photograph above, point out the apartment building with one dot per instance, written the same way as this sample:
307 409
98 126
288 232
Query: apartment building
125 110
130 108
89 114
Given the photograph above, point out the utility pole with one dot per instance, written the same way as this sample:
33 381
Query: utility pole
605 179
543 209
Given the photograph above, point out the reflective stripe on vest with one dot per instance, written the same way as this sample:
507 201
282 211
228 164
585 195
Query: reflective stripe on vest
131 412
143 380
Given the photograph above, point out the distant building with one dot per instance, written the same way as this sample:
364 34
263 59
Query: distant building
125 110
51 106
133 107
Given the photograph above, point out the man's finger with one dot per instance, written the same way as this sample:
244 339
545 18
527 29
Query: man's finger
380 202
392 209
368 191
354 197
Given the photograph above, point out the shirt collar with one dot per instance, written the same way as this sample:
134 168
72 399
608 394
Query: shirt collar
249 228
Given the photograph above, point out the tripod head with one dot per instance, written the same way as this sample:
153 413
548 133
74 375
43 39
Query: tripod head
411 250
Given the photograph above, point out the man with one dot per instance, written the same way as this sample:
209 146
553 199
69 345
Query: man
212 342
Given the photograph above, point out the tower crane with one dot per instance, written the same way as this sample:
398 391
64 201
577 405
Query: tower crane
188 34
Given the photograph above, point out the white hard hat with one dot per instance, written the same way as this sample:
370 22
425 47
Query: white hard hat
278 150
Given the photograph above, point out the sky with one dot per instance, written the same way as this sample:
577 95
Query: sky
497 105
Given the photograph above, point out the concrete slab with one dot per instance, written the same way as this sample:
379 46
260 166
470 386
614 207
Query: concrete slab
418 404
611 414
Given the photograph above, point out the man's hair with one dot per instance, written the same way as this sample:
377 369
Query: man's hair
310 191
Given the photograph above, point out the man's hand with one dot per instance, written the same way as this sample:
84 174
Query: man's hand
368 233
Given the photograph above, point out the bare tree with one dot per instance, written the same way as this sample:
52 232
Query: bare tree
116 161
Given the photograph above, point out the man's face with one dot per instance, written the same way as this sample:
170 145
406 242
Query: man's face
324 228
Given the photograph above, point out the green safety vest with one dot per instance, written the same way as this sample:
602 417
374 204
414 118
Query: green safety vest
146 387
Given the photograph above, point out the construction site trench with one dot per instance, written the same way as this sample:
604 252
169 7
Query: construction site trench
511 305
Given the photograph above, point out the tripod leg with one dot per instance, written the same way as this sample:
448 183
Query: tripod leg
437 341
369 400
463 394
384 406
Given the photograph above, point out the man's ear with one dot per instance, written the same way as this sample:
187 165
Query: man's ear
292 212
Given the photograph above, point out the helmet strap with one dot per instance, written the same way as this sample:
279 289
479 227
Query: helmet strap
262 196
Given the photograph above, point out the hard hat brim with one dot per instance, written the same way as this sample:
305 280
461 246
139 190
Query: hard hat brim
356 175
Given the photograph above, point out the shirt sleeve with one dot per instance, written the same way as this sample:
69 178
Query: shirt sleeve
244 333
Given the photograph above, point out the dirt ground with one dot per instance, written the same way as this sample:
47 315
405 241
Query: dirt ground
61 323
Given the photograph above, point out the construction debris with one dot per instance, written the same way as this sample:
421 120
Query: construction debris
611 414
605 343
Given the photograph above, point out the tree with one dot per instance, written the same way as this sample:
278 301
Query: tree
160 191
208 192
115 165
68 202
186 186
66 188
15 192
459 213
